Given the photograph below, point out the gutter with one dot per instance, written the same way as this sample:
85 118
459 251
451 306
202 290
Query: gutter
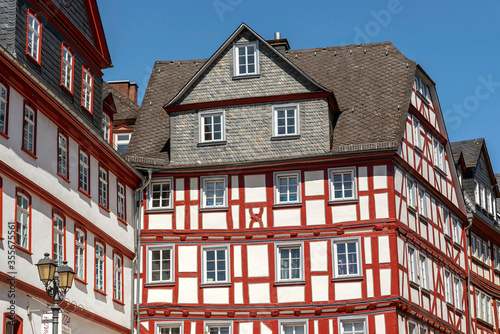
137 259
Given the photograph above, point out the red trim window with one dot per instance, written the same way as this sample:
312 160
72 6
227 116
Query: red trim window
62 155
84 171
23 220
122 201
12 323
100 266
67 67
4 109
80 254
29 130
103 187
58 238
117 277
87 88
34 37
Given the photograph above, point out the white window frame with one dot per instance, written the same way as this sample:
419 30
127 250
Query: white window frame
446 222
448 284
286 323
417 137
201 122
343 320
34 30
413 271
204 181
496 257
457 292
482 192
343 171
422 88
281 175
170 193
336 273
68 61
455 224
424 271
277 252
286 108
62 155
122 142
484 307
150 250
169 324
103 187
100 260
29 129
204 251
87 91
422 203
106 127
410 193
83 171
80 253
121 201
117 277
23 221
476 193
58 239
439 158
236 56
4 97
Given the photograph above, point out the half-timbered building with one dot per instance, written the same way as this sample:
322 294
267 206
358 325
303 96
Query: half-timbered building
480 189
63 189
297 191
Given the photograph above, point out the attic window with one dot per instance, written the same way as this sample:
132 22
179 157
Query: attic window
246 60
422 88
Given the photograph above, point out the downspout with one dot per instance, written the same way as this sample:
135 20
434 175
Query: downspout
137 259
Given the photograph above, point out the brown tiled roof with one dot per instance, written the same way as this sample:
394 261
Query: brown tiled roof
371 82
125 108
471 149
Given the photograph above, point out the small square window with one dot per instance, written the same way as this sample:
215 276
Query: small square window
342 184
212 127
246 59
216 265
121 142
160 264
346 258
214 192
285 121
160 194
290 261
287 187
352 326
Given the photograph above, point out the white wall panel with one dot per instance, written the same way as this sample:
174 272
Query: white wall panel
319 287
193 188
291 294
188 290
385 282
237 261
258 261
160 296
364 207
259 293
255 188
380 177
187 259
193 217
347 290
286 217
315 212
216 295
314 183
179 189
318 255
235 193
160 221
384 251
214 220
381 205
180 216
344 213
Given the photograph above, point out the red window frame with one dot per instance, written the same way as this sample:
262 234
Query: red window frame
116 254
72 81
80 189
39 60
7 98
100 241
61 215
104 207
7 316
32 107
86 68
84 280
118 184
64 134
28 196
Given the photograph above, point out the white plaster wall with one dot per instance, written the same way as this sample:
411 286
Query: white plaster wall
187 259
235 215
369 283
237 267
160 221
318 255
286 217
384 251
235 194
344 213
259 293
380 324
368 250
193 188
319 287
314 183
179 189
264 329
255 188
362 178
380 177
193 217
385 282
364 209
180 217
216 295
347 290
291 294
214 220
258 261
381 205
246 328
188 290
315 212
160 296
238 293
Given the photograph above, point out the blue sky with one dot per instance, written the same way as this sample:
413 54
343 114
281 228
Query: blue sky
456 42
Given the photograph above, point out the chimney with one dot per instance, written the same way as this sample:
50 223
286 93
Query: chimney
280 44
127 88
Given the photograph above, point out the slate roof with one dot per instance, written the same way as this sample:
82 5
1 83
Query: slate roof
125 108
371 82
471 149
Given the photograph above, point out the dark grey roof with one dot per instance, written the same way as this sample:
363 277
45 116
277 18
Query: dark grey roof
371 82
471 149
125 108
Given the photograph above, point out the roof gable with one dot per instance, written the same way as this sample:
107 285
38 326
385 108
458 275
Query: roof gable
214 81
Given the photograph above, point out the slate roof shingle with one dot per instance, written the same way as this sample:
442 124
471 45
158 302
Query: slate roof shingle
471 149
125 108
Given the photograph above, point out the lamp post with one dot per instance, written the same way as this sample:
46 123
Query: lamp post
61 279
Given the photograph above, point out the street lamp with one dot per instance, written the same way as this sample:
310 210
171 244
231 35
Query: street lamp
61 279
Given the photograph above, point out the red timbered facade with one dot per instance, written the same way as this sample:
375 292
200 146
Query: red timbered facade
284 201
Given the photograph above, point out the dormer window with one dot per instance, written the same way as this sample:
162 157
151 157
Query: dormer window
246 60
422 88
